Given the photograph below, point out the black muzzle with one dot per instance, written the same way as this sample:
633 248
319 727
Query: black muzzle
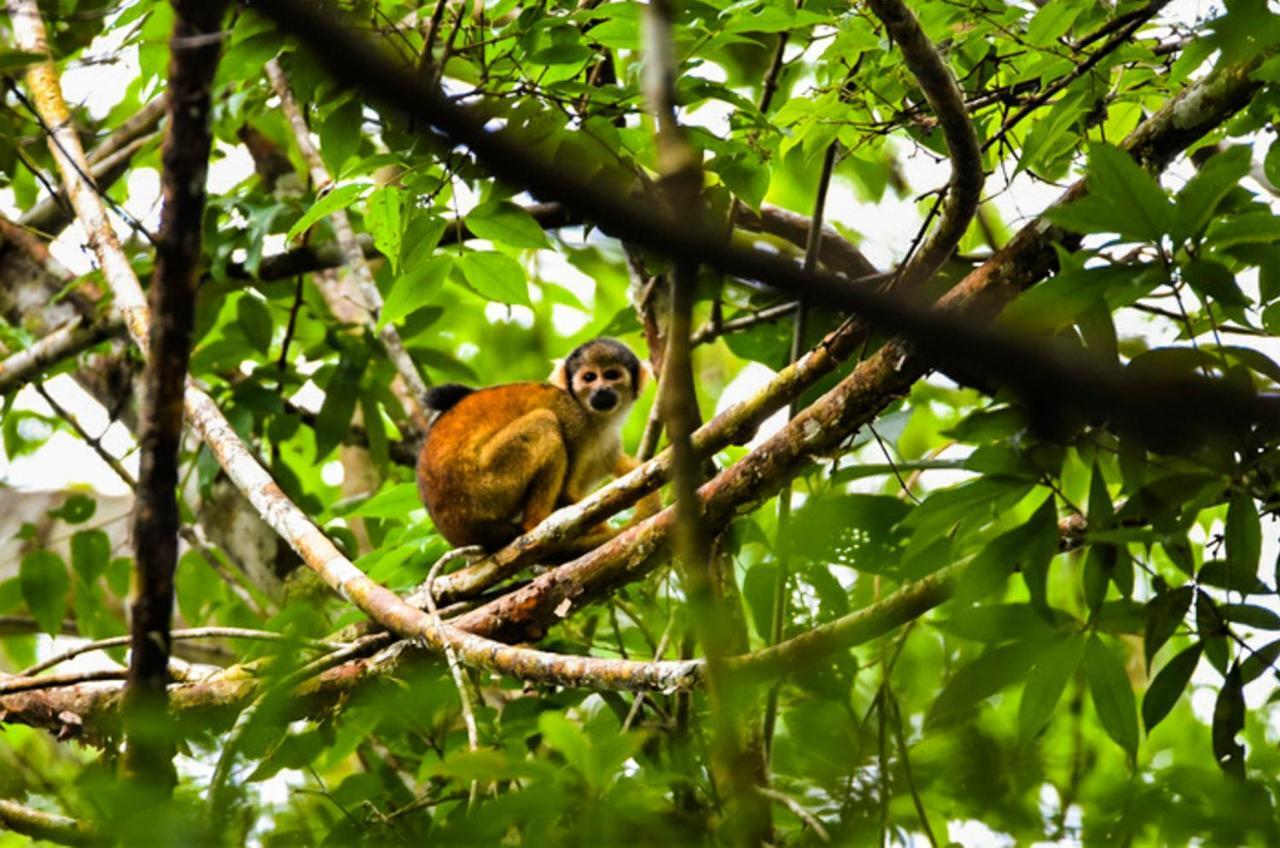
603 400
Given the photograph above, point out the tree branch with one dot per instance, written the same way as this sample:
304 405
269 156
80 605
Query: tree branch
947 101
193 62
49 826
1029 256
71 339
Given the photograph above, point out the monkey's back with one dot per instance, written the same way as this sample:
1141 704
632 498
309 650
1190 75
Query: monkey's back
450 458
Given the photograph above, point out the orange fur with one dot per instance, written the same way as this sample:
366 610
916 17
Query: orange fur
499 460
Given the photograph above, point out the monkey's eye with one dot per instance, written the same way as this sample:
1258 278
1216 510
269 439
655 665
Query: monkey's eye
589 377
612 374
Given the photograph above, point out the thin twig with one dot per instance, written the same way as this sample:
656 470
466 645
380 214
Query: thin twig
811 821
451 656
189 633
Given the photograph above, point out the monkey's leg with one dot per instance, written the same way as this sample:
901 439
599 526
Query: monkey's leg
523 467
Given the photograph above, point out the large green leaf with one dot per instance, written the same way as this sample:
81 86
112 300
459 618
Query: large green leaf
1197 200
1123 198
988 674
340 198
495 276
45 587
1045 683
506 223
1112 694
1168 685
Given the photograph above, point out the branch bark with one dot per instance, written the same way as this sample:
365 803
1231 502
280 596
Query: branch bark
947 101
194 60
49 826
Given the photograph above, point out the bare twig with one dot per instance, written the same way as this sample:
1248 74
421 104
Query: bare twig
13 684
68 340
451 656
190 633
94 442
811 821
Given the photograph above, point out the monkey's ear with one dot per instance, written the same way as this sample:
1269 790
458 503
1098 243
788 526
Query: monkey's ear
559 375
643 375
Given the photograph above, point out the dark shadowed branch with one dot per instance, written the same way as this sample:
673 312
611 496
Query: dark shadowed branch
194 60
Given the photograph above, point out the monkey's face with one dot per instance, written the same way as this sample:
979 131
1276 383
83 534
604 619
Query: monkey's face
603 376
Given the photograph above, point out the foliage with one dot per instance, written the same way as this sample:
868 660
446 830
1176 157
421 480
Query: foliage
1112 684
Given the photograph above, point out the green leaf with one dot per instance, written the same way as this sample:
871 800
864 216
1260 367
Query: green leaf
1054 134
1228 720
420 240
745 175
90 554
382 217
1062 299
1029 545
76 509
1133 195
1223 575
1046 682
1165 612
988 674
1249 228
341 394
1197 200
1243 535
255 320
15 61
392 502
1271 165
856 530
1212 630
1168 686
340 135
1112 694
506 223
1052 20
1042 547
45 587
1260 661
495 276
415 289
1215 280
340 198
1251 615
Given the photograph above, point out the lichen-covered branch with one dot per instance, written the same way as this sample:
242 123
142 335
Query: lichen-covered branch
37 824
72 338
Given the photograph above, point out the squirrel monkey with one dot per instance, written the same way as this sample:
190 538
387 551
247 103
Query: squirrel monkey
497 461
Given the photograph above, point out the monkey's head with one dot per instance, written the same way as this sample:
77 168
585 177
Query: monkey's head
603 375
